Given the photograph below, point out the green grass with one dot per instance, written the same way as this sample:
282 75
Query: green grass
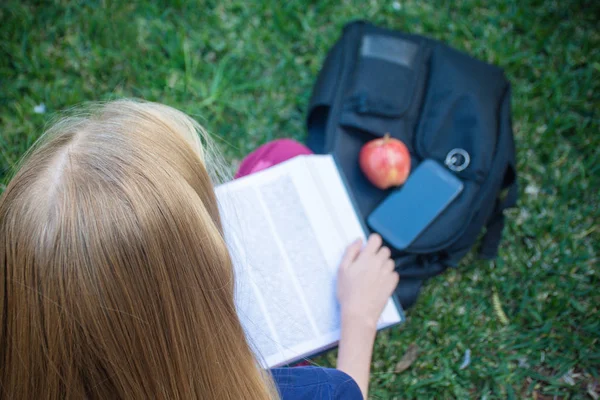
245 69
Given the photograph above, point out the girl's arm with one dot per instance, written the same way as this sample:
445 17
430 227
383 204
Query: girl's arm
366 280
355 351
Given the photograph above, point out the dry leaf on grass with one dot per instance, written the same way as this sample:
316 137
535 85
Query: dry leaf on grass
591 390
408 358
497 304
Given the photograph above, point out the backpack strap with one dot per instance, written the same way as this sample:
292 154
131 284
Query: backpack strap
415 267
495 224
491 240
408 290
493 235
414 271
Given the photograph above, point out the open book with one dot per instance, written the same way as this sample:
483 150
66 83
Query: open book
287 228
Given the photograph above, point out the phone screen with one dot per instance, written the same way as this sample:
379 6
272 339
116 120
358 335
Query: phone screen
405 213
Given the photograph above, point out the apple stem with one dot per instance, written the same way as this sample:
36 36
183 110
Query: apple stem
386 137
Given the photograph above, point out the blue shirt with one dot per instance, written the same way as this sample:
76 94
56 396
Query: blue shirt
308 383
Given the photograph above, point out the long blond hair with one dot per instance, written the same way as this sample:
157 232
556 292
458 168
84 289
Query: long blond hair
115 280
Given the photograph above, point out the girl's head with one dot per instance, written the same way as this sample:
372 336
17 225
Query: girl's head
115 281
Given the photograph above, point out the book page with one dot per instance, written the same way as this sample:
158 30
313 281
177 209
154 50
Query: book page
334 194
286 232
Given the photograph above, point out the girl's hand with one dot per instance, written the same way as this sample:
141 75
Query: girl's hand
366 280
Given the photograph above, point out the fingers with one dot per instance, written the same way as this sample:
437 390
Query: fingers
389 265
392 282
395 279
384 253
351 253
389 282
373 244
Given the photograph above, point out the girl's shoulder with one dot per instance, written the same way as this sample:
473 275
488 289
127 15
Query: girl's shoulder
298 383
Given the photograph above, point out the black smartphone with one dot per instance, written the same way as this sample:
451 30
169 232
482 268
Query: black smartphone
404 214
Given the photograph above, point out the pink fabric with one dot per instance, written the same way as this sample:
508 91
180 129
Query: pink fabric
269 154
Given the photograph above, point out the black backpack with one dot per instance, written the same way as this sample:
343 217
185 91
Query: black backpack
444 105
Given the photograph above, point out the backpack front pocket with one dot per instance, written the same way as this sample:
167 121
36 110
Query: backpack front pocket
387 86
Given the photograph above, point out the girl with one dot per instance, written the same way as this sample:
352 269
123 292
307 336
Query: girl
116 283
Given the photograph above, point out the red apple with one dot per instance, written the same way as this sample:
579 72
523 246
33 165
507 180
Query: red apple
385 162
